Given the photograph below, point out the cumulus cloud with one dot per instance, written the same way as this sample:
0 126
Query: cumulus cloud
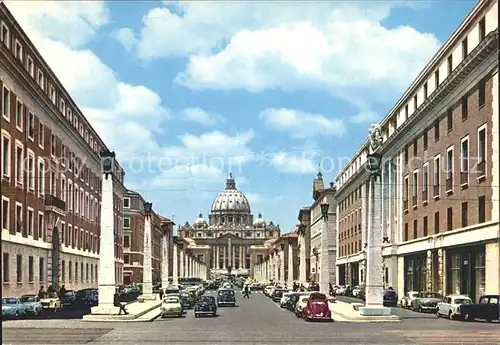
245 45
293 163
301 125
200 116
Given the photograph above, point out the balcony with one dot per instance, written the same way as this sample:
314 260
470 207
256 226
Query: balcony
425 196
436 191
449 185
405 205
464 178
481 170
53 203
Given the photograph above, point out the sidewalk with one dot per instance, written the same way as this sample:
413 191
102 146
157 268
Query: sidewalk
138 311
345 312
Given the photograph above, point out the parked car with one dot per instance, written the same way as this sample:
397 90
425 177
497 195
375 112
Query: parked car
426 301
171 306
450 306
226 297
51 302
487 309
317 309
362 293
284 298
32 304
87 298
355 291
300 305
206 305
13 307
390 298
187 300
408 299
277 294
69 299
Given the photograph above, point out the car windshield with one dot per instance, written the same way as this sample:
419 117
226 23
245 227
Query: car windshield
463 301
318 296
28 299
431 295
207 299
9 300
171 300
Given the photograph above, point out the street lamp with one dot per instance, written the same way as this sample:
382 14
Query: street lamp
316 255
324 208
148 208
107 162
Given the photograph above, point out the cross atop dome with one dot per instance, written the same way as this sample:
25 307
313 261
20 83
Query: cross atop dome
230 183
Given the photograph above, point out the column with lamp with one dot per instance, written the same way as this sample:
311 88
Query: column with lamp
282 263
374 263
290 269
165 264
147 269
106 277
303 253
315 252
324 276
175 262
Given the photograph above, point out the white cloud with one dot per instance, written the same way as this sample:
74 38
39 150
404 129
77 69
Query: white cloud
246 45
293 163
126 37
301 125
365 117
200 116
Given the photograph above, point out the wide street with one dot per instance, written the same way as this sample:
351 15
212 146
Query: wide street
254 321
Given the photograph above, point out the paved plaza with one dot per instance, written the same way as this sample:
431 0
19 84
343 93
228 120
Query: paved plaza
254 321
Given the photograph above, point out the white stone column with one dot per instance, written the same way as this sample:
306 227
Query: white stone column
233 254
181 265
106 276
282 266
290 265
303 262
175 271
374 262
230 254
324 272
276 267
216 263
165 262
147 269
224 258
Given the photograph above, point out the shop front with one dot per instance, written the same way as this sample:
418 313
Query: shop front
415 272
465 271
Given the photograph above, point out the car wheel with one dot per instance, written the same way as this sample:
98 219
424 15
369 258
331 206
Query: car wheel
468 318
419 309
438 315
450 315
17 314
214 314
196 315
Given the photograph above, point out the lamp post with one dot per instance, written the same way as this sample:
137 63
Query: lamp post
374 262
147 269
316 255
324 276
107 270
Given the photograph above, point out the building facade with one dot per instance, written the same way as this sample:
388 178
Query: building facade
50 176
323 233
440 174
231 237
133 239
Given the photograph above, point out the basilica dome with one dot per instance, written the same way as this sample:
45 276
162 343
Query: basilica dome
231 200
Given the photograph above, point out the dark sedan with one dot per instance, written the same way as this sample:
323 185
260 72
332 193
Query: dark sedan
390 298
206 305
226 297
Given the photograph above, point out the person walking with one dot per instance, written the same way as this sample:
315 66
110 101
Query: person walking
118 303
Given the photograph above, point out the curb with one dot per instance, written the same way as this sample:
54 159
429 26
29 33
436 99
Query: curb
124 318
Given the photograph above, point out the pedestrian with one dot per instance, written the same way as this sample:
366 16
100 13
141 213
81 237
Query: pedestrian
161 293
41 292
62 292
119 304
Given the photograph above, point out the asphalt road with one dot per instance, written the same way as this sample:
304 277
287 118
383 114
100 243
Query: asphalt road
254 321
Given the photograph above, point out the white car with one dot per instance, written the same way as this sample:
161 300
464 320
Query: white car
450 307
285 298
171 306
407 300
340 290
355 291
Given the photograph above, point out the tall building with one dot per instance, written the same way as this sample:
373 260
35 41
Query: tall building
231 237
440 174
50 176
133 239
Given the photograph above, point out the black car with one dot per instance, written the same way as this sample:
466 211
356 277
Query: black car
226 297
487 308
277 294
292 301
206 305
390 298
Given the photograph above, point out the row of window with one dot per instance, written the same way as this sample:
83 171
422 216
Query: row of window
464 220
403 113
467 167
76 271
45 84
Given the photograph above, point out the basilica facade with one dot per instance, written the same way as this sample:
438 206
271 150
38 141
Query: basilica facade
230 238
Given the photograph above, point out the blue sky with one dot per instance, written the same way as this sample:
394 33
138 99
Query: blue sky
186 93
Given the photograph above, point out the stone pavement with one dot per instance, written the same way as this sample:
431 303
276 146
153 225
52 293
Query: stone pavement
255 321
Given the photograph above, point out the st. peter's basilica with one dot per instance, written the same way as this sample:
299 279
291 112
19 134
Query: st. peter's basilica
231 237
